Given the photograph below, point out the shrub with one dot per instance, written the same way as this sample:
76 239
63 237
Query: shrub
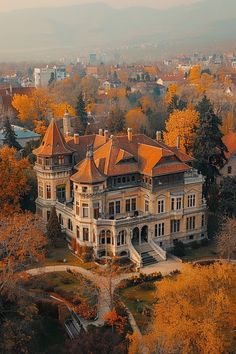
195 245
204 242
179 249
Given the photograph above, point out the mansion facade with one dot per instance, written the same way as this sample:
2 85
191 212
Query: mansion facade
126 195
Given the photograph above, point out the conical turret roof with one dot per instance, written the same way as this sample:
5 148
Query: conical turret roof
53 142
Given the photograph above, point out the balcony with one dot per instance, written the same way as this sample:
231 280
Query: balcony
192 177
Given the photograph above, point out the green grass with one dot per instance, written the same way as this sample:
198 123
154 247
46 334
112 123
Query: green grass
137 298
56 256
202 252
66 285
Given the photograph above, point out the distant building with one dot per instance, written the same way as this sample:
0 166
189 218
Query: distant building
229 169
42 76
92 59
23 136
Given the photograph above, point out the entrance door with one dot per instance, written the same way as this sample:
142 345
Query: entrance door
144 234
135 236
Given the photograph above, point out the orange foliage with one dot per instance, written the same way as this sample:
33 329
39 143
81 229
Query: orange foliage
195 312
194 74
114 320
171 92
147 103
60 108
228 123
181 124
13 180
136 120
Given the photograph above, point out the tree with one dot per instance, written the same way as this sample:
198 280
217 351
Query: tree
209 149
194 312
136 120
115 121
52 79
13 180
21 243
176 104
81 112
182 124
10 136
226 239
227 197
54 232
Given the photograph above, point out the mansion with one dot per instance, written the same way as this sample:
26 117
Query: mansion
126 195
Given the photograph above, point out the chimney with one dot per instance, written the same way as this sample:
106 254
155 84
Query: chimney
100 132
66 123
76 139
130 134
106 134
178 142
158 135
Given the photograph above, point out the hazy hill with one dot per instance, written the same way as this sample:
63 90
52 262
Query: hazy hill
32 33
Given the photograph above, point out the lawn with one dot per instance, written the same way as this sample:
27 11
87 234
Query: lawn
62 255
67 285
202 252
139 300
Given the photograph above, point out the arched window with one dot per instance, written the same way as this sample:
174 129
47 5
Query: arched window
70 225
102 237
121 239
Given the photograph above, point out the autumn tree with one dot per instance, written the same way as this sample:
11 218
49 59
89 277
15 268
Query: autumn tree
10 135
194 312
171 92
54 232
13 180
136 120
115 121
209 149
21 244
176 104
182 124
226 239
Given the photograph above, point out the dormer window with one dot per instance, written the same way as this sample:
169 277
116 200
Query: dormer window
61 160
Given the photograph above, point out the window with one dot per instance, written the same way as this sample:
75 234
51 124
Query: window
146 206
111 208
175 226
77 208
105 237
85 234
161 206
96 210
102 237
229 169
121 239
176 203
41 190
190 223
117 207
61 160
48 215
191 237
85 210
47 161
60 219
77 231
84 189
48 189
133 204
61 193
160 229
127 205
191 200
203 220
69 225
95 189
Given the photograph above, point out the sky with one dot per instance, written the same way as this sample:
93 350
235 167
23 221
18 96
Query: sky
6 5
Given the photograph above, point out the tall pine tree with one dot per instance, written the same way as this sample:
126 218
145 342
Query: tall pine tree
10 136
54 232
81 113
209 149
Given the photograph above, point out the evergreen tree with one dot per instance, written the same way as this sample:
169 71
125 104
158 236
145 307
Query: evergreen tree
10 136
208 149
227 197
176 103
52 79
54 232
81 112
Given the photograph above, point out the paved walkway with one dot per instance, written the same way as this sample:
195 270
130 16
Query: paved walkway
106 286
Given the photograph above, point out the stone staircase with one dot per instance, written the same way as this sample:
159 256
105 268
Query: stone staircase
148 254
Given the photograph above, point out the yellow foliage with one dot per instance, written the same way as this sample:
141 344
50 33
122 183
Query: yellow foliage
136 120
194 74
181 124
195 312
147 103
171 92
60 108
